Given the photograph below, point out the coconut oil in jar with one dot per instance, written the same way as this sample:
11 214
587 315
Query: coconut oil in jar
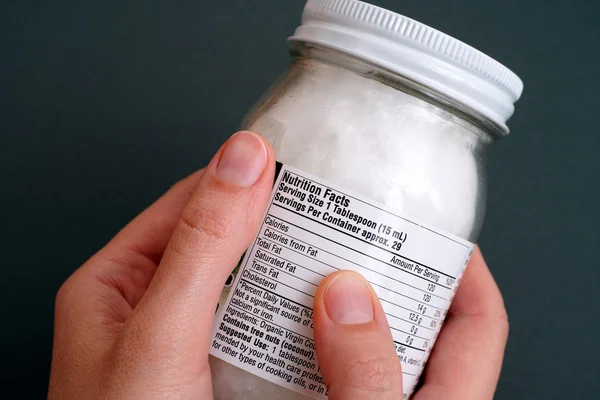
381 128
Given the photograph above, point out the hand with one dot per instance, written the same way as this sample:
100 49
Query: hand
358 359
134 322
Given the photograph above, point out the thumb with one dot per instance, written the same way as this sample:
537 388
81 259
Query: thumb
169 330
355 349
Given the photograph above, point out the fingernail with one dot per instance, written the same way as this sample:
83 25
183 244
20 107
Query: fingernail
348 299
243 159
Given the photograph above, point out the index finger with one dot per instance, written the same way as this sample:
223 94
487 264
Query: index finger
467 358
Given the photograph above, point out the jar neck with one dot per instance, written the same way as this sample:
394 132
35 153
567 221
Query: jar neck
467 117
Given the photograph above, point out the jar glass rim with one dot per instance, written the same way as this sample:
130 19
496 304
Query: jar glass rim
369 70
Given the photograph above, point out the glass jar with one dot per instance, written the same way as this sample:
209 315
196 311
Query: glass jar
391 110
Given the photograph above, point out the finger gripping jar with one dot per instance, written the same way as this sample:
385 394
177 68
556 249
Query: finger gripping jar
381 128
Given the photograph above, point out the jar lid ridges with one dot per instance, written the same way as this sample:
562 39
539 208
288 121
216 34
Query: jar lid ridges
401 27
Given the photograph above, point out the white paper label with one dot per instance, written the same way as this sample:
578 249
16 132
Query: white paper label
311 229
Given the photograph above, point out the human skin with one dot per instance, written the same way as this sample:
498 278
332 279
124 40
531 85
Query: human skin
134 322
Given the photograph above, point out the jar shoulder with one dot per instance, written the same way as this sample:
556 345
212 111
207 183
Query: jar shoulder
380 142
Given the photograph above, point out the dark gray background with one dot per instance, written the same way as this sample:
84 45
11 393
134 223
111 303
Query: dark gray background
104 104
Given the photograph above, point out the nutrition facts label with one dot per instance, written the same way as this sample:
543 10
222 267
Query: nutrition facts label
311 229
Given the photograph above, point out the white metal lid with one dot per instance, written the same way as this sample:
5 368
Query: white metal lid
415 51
